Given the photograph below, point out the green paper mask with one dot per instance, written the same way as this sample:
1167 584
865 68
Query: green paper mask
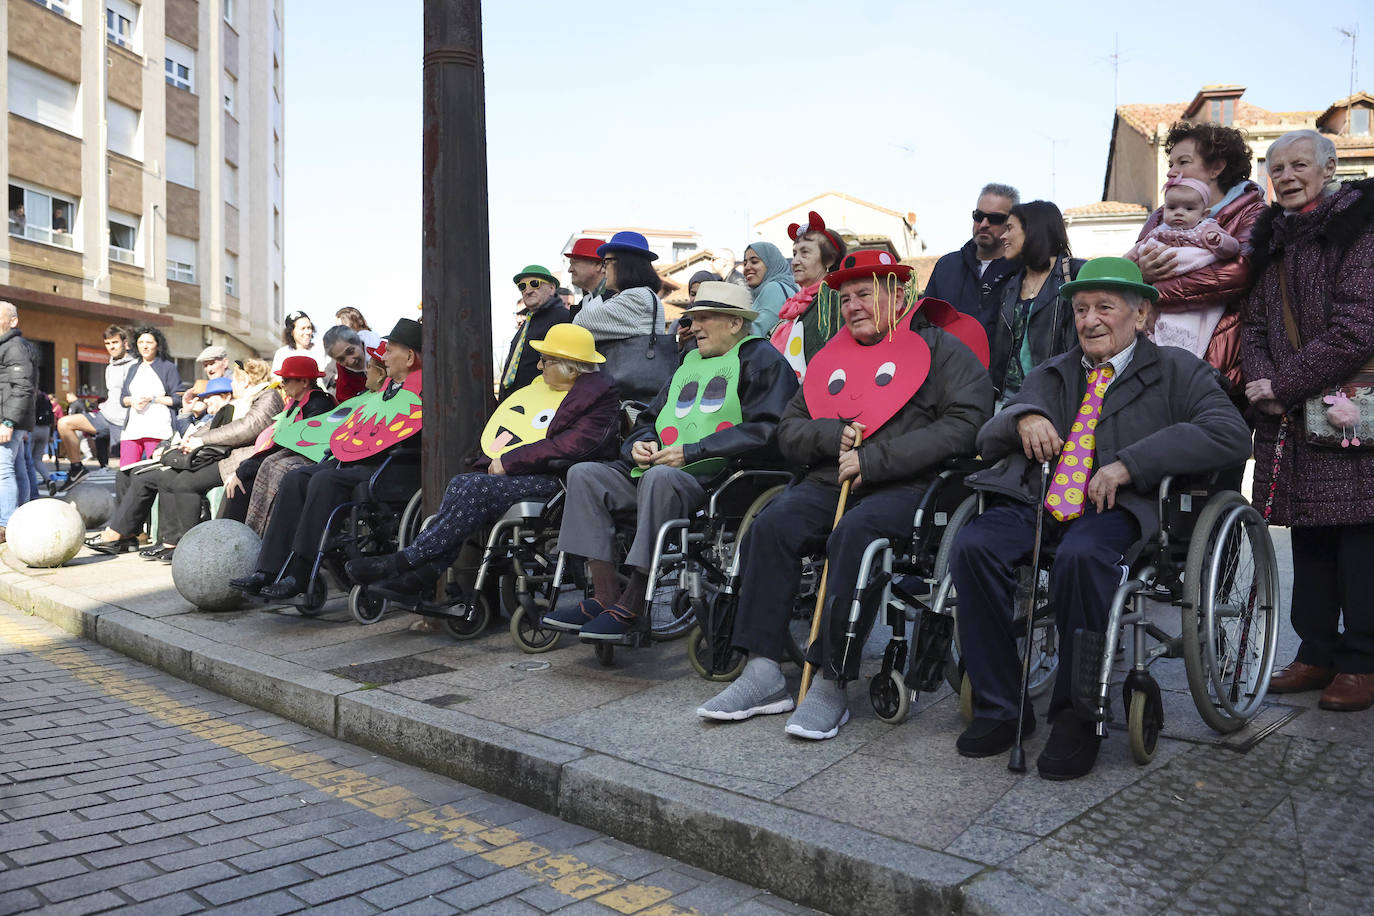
703 398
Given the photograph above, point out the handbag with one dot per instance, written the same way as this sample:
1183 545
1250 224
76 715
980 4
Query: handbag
204 456
642 364
1355 396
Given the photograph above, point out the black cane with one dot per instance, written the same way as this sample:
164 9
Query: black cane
1017 762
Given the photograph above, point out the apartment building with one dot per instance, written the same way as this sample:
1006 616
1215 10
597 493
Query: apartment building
144 153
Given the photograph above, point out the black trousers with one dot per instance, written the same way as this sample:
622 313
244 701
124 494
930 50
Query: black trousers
1089 564
793 525
136 494
1330 588
180 494
304 500
236 506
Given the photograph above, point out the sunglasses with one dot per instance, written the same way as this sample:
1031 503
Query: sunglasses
994 219
530 284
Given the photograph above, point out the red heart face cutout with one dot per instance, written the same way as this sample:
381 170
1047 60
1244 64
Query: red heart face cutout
867 384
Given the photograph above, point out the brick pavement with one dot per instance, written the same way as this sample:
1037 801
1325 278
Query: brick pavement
126 789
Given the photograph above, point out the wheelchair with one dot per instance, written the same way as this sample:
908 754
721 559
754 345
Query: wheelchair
1212 558
368 524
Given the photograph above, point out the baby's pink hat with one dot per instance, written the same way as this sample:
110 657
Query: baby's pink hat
1191 183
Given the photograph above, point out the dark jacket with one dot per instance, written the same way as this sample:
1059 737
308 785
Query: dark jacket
317 401
18 379
1164 415
938 423
586 427
167 373
955 279
241 434
536 327
1327 255
1050 325
766 384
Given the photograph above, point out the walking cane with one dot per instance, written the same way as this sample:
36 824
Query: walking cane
808 669
1017 762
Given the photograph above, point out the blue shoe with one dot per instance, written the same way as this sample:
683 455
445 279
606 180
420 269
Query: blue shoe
572 619
611 626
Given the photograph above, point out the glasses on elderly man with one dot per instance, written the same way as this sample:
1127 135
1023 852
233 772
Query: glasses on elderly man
530 284
994 219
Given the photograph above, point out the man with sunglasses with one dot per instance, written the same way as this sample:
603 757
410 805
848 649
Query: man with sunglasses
542 309
969 278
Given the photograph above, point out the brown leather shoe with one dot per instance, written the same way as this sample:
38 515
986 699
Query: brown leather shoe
1349 693
1296 676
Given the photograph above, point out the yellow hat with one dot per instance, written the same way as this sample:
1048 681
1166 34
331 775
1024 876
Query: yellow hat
569 341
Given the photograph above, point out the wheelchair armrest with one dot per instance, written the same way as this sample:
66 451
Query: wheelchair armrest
965 464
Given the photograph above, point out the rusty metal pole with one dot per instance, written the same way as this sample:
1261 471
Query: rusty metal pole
455 278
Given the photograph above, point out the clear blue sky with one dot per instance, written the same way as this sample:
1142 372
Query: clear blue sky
717 114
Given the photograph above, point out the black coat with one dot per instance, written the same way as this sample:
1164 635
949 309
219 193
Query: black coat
955 279
1049 327
18 379
537 326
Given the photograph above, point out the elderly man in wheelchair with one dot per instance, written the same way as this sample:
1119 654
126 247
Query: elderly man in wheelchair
1106 422
900 390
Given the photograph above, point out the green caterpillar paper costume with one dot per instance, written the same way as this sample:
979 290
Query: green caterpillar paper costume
703 398
309 436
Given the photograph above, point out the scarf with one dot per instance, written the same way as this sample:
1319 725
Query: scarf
792 309
779 269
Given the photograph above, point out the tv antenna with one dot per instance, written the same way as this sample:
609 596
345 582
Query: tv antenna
1352 33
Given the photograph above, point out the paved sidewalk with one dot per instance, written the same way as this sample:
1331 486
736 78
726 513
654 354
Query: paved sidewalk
881 819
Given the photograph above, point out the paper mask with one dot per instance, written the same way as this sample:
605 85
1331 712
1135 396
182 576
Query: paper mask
851 382
703 398
310 436
379 422
522 418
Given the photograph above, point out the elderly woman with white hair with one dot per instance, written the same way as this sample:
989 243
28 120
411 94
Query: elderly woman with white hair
1308 351
585 426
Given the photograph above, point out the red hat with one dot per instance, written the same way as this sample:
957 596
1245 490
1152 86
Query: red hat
586 248
378 352
813 223
867 262
300 367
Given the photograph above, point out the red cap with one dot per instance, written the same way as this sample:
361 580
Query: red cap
300 367
867 262
586 248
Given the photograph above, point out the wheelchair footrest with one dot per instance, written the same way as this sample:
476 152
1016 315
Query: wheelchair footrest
1088 649
930 651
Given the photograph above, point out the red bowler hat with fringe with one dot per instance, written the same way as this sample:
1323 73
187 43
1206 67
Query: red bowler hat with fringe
814 223
867 262
586 248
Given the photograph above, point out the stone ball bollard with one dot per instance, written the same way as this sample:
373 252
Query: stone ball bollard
95 502
45 532
209 556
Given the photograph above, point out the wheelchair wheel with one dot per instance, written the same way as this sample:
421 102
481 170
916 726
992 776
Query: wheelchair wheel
1144 722
410 521
714 663
529 636
605 654
890 697
671 618
1230 612
473 622
365 609
316 593
946 599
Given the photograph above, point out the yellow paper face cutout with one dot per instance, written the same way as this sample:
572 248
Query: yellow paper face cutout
522 418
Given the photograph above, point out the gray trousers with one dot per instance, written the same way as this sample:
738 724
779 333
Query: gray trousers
602 499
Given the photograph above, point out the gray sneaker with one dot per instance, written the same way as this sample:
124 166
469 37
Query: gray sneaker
821 713
759 691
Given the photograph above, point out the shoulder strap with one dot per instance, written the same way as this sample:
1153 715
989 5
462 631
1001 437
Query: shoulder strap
1290 324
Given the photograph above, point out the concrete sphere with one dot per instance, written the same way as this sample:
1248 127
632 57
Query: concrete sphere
45 532
209 556
95 502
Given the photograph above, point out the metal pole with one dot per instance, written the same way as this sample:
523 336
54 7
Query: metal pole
455 278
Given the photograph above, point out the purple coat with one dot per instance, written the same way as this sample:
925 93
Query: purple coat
1328 255
586 427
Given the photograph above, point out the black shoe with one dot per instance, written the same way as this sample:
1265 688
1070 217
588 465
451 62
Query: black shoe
74 474
251 584
283 588
989 737
366 570
111 548
419 581
1072 749
156 552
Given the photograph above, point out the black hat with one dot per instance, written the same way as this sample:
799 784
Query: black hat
406 333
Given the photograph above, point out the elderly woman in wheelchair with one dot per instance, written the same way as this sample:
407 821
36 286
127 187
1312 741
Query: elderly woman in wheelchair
1091 434
570 413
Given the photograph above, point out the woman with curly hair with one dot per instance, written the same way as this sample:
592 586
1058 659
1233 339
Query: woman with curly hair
151 392
1219 157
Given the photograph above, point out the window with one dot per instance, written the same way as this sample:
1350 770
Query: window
39 96
61 7
181 66
181 162
122 130
231 274
231 185
121 23
123 238
228 10
42 216
181 259
1359 122
683 249
231 91
276 226
276 302
1221 111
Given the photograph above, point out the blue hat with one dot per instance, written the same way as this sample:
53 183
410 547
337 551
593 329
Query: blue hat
219 385
627 241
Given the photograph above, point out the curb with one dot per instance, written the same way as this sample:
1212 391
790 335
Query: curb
799 856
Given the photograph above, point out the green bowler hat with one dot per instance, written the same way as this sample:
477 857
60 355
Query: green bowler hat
541 272
1110 273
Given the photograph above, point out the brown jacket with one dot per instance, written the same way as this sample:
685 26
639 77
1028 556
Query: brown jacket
241 433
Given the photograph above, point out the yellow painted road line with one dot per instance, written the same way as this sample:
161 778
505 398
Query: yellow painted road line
499 845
